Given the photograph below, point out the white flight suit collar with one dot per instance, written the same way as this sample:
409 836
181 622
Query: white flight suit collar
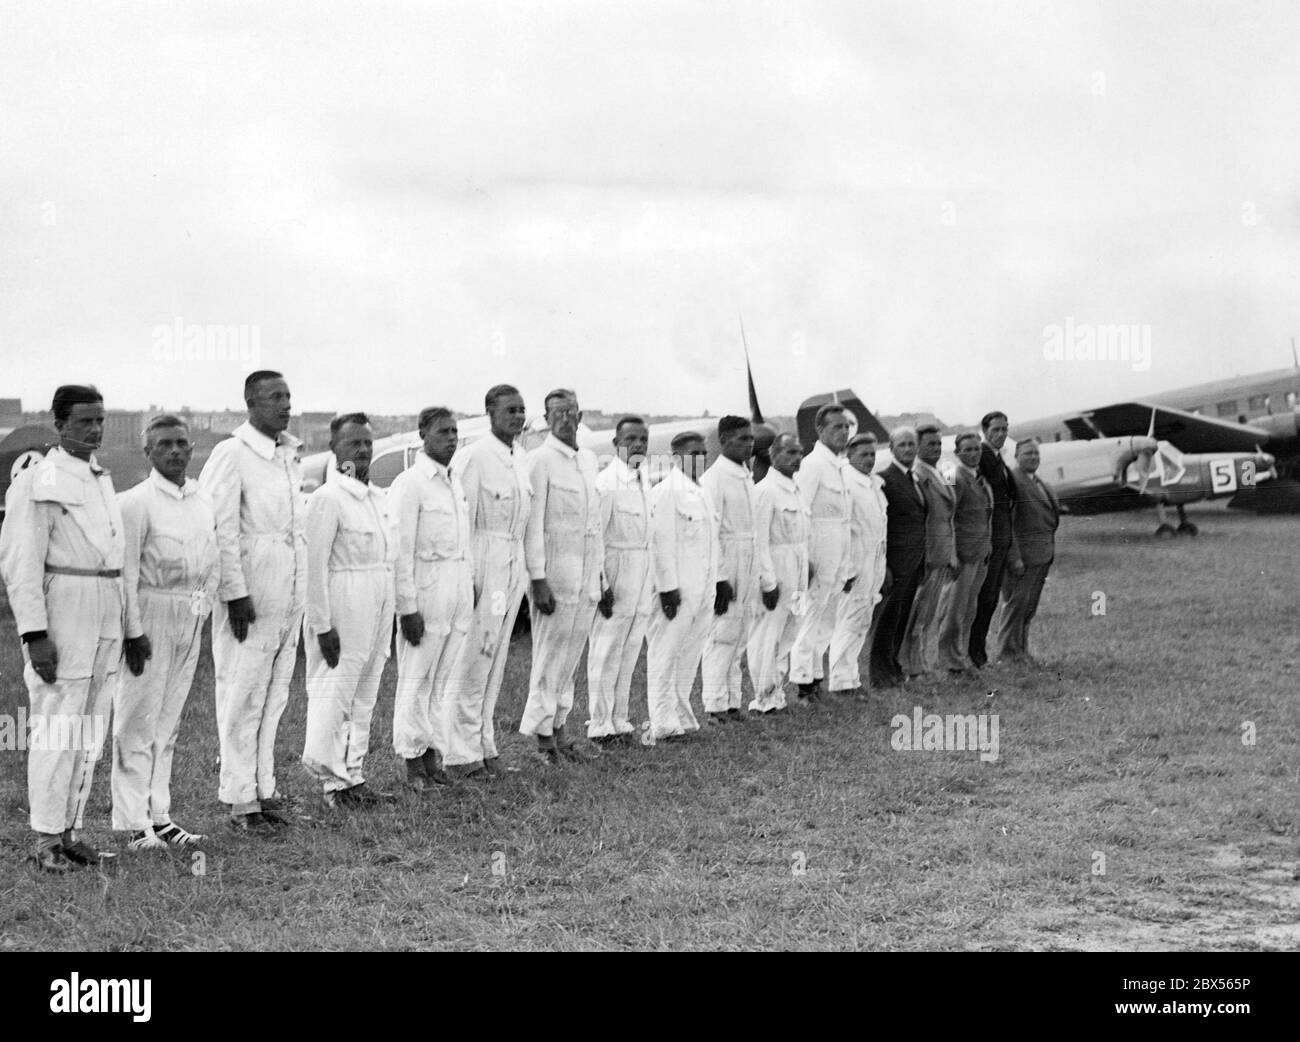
430 467
625 475
174 491
732 468
65 460
823 452
260 443
353 486
781 481
560 447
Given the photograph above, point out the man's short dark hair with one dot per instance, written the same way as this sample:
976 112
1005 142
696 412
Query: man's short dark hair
684 438
624 421
729 425
340 421
989 417
255 378
862 438
559 392
928 428
74 394
963 436
829 409
495 394
166 419
431 414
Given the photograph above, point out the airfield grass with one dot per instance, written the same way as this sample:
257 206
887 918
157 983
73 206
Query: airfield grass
1122 750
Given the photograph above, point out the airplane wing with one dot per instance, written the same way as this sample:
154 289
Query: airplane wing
1187 431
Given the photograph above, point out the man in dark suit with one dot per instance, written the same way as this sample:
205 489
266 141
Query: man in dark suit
1033 546
998 477
904 556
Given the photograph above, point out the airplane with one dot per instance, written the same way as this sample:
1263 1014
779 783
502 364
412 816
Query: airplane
1259 411
1100 473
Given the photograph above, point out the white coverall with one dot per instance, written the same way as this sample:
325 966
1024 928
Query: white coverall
170 575
434 708
351 548
684 556
730 488
498 495
781 547
564 546
616 642
867 548
824 491
61 513
255 486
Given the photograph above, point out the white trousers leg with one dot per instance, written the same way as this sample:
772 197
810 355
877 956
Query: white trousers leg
558 640
147 711
612 655
252 689
674 651
723 650
430 683
73 718
815 630
770 641
852 621
482 666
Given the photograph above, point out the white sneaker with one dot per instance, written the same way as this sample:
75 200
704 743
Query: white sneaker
146 840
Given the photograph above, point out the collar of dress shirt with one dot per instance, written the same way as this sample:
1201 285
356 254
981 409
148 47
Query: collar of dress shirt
927 470
426 464
822 452
560 447
65 460
170 488
970 472
905 470
260 443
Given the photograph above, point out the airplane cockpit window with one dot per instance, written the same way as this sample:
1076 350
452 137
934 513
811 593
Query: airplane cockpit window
1257 401
1291 400
1227 408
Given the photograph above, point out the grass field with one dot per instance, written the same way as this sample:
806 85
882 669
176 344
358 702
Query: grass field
1123 750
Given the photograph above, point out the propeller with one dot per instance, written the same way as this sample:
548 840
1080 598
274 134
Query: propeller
1143 456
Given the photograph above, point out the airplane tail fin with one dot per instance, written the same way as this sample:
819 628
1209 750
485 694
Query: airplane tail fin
806 417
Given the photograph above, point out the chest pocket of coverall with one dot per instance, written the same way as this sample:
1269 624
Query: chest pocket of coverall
360 546
790 524
435 537
168 553
828 504
498 505
566 503
693 530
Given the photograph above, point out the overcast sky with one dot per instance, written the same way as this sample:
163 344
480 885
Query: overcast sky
405 203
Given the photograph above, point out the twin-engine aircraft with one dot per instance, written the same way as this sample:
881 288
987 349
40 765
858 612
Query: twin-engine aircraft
1102 472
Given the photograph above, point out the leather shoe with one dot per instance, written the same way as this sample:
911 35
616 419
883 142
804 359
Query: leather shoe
81 853
251 824
50 858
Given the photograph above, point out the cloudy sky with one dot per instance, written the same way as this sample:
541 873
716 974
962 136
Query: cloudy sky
401 204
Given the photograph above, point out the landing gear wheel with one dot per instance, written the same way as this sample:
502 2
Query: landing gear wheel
1166 532
1187 528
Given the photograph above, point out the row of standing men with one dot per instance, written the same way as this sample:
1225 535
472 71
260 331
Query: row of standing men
705 568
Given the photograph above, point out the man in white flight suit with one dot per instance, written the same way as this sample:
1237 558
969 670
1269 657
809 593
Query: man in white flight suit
564 552
435 602
684 555
61 551
781 549
170 576
254 480
867 549
348 626
624 609
493 473
824 490
730 488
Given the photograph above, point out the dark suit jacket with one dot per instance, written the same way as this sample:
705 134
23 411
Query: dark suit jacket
940 503
1036 515
905 522
998 475
973 520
